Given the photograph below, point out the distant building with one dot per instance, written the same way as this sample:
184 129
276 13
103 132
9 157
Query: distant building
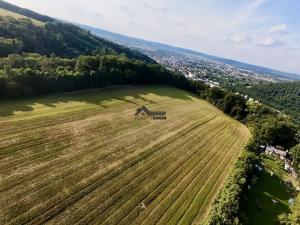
278 150
145 113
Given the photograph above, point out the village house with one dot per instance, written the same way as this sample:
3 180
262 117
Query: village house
144 113
283 155
278 150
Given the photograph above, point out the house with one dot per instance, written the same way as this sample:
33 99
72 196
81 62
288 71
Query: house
144 113
278 150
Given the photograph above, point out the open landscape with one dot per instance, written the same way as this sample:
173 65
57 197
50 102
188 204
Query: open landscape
83 157
149 112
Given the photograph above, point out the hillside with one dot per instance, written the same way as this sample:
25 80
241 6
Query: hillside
158 49
4 12
24 12
27 31
281 96
84 157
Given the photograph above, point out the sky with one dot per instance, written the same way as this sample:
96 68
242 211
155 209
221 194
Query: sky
260 32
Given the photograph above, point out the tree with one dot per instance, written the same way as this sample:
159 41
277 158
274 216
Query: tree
10 46
234 105
295 154
275 131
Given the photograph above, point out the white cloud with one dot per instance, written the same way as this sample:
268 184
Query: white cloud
268 41
256 40
272 37
239 38
155 7
278 29
252 6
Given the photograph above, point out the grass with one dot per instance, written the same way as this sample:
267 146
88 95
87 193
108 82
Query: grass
82 157
4 12
257 206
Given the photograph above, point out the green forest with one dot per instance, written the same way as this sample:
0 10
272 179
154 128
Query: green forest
56 38
33 74
282 96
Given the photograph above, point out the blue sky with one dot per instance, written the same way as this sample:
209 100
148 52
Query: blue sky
261 32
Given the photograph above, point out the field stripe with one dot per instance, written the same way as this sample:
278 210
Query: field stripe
160 162
91 162
114 217
80 187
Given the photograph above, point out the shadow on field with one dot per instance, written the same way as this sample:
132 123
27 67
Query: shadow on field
128 94
266 200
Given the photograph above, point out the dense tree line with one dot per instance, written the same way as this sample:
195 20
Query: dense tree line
61 39
269 127
33 74
282 96
10 45
230 103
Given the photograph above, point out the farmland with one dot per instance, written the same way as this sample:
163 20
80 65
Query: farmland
83 157
4 12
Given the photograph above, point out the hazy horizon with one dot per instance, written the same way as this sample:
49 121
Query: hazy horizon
260 32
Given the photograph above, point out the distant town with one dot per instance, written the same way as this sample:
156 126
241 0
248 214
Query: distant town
213 74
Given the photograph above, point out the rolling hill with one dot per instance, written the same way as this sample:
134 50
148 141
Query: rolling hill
25 12
83 157
4 12
22 30
282 96
153 47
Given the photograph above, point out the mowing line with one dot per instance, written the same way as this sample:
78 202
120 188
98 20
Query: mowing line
179 186
111 216
89 162
94 180
181 148
181 214
145 164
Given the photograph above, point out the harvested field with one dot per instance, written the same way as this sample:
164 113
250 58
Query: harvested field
84 158
4 12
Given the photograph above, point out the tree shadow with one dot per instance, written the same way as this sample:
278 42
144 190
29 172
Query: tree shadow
128 94
264 202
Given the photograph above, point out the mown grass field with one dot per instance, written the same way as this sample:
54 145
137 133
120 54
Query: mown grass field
83 157
4 12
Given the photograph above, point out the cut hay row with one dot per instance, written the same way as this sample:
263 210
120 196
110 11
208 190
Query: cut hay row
77 162
124 210
87 185
160 160
169 202
88 162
